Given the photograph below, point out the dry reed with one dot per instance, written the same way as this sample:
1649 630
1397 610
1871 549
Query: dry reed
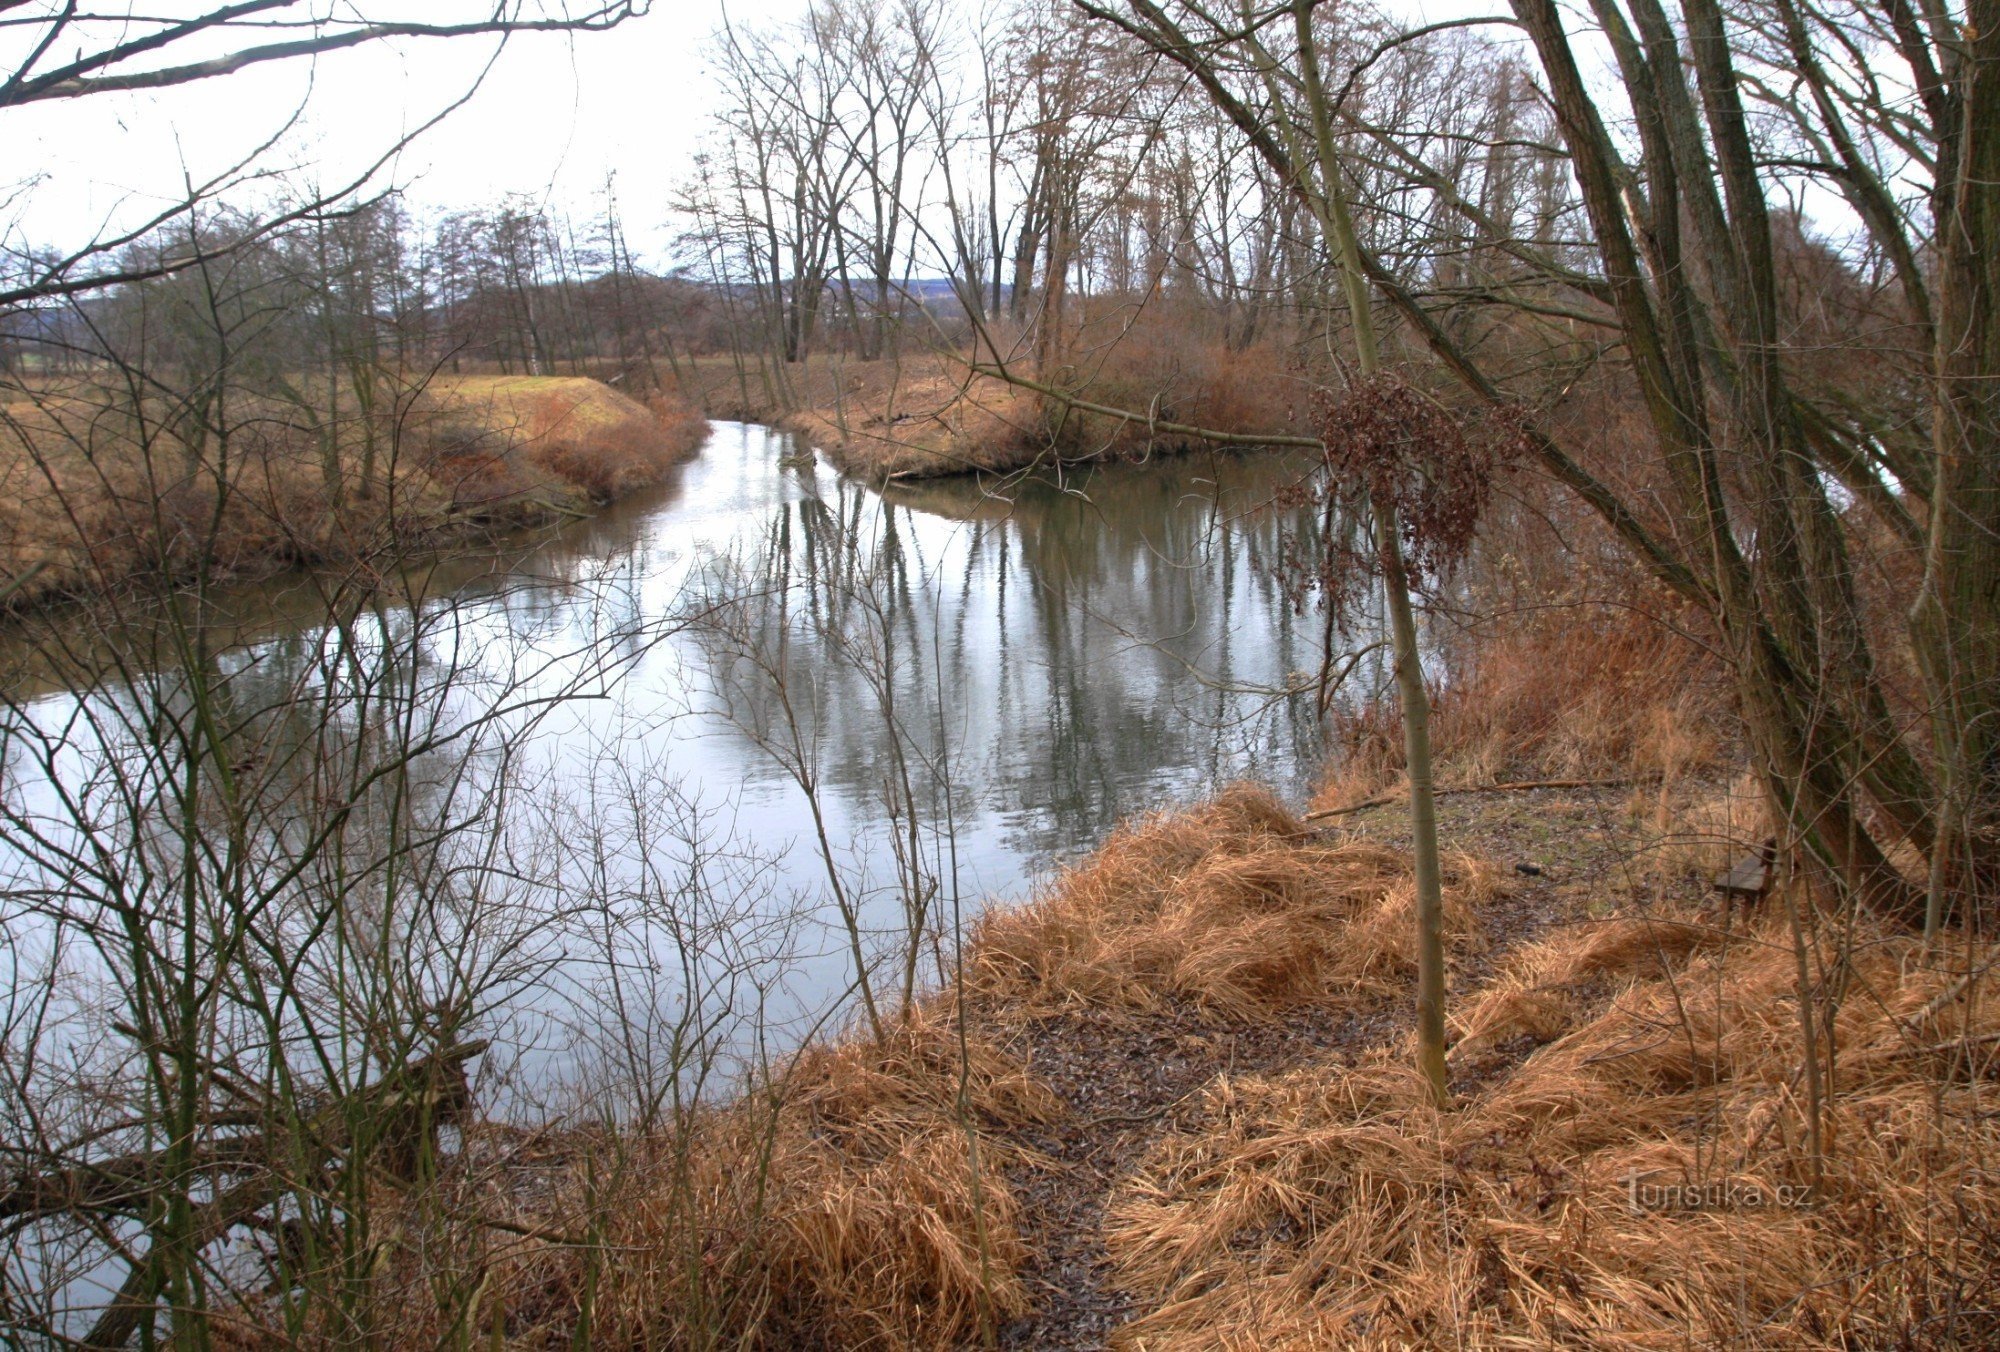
1232 907
1334 1207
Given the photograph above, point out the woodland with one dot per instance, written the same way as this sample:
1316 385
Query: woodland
1624 979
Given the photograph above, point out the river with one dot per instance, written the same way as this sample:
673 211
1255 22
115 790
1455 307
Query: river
978 679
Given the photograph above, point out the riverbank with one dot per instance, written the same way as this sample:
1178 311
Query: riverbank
98 489
1171 1106
927 415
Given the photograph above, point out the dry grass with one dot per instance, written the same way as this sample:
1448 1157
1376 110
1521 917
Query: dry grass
840 1207
925 415
1333 1207
920 417
861 1201
97 490
869 1222
512 439
1231 907
1702 833
1568 691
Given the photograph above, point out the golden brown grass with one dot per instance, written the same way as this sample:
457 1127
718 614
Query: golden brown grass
918 417
568 432
1575 690
1334 1207
843 1206
862 1199
96 489
1232 907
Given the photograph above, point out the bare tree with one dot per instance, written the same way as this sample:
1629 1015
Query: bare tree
67 52
1679 260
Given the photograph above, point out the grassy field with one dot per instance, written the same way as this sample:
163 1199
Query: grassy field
926 414
96 486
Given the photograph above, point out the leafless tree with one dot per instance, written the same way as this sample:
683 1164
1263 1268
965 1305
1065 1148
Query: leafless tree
63 53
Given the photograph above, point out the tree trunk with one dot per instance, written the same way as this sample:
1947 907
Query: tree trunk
1339 226
1957 616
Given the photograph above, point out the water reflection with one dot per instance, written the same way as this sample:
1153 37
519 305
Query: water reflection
1090 645
637 801
976 680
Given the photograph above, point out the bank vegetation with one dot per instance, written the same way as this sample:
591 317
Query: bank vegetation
1646 358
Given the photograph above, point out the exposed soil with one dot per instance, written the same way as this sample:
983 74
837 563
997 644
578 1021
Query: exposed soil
1129 1079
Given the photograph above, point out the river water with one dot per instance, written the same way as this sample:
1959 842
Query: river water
759 729
977 679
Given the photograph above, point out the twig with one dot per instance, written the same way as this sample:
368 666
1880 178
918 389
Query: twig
1516 785
1945 997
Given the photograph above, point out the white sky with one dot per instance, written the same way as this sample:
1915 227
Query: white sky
552 119
555 115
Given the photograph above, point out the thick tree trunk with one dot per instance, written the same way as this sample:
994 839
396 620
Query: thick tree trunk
1957 616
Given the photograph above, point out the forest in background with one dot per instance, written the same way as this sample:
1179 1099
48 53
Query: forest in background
1649 354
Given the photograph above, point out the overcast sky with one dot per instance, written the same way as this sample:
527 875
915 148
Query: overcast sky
553 117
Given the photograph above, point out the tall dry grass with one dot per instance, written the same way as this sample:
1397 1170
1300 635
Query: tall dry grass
95 488
1167 362
857 1201
1571 689
1335 1207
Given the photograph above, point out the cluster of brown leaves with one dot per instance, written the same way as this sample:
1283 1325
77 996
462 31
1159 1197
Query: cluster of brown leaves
1385 437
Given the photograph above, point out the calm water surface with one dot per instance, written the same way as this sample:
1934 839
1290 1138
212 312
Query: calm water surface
979 680
1053 655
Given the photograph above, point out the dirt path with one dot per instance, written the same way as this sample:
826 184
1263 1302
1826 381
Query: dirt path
1126 1085
1128 1080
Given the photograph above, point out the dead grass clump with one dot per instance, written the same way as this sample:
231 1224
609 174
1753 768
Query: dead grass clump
1545 987
1230 906
851 1203
1644 1180
873 1223
1561 691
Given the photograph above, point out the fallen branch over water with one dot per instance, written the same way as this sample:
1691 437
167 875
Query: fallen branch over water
405 1108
